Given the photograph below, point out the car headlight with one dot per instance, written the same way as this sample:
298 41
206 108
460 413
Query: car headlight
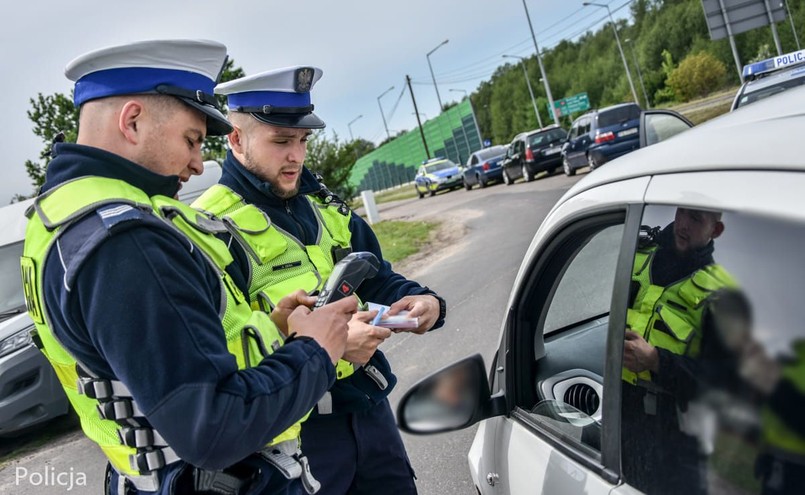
16 341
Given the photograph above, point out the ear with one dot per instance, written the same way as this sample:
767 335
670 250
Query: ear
718 229
236 140
130 119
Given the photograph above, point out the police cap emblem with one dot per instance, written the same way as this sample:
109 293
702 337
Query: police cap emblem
303 79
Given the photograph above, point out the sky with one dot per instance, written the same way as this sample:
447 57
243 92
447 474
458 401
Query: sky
364 47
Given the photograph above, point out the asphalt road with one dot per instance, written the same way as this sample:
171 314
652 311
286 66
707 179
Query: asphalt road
474 275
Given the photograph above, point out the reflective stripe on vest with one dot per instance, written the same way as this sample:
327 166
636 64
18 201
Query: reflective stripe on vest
780 439
670 317
250 335
279 262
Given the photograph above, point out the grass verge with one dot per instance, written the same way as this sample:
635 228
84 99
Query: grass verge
399 239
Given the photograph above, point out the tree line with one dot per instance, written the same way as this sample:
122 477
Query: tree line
667 39
671 44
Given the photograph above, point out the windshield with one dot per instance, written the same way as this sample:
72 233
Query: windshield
761 93
11 296
544 138
491 152
617 115
435 167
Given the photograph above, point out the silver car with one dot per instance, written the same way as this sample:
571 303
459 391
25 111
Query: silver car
29 390
555 411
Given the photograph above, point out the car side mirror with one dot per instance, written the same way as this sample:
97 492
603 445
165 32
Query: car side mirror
453 398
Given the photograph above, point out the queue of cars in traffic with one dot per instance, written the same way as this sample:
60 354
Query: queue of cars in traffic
594 138
601 135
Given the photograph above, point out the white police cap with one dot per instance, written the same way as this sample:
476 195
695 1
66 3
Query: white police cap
186 69
279 97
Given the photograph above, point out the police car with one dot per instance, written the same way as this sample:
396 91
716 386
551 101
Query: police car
770 76
549 408
437 174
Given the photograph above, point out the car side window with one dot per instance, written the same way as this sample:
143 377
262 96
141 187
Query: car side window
474 160
573 295
713 378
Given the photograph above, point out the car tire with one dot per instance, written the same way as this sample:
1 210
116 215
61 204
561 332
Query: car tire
591 162
569 171
527 175
551 171
482 182
433 193
506 179
467 186
420 194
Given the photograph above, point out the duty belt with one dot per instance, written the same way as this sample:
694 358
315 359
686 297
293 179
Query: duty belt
289 461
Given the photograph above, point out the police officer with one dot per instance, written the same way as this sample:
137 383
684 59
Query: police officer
351 438
673 276
132 300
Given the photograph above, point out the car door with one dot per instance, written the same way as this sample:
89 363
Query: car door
551 365
580 140
659 125
469 172
516 164
729 412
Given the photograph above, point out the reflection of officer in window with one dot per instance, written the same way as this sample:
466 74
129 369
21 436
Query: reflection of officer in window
735 360
674 273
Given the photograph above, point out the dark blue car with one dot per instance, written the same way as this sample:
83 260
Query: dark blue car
601 135
483 167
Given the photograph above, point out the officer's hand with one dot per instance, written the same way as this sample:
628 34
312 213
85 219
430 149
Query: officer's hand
285 307
328 325
639 355
425 307
364 337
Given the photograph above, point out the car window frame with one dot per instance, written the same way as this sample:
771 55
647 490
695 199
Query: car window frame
519 342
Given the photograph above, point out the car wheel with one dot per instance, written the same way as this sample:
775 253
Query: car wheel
482 182
420 193
506 179
467 185
567 168
527 176
433 193
591 162
551 171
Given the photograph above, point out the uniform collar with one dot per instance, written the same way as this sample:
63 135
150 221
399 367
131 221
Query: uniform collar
74 160
255 190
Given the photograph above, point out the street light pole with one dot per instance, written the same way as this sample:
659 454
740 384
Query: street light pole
385 126
427 56
349 126
639 73
528 83
541 68
620 48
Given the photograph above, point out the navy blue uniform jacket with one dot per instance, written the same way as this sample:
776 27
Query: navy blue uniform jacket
296 217
143 309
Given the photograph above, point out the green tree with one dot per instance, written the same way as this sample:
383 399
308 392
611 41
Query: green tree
697 76
333 160
54 114
214 147
51 115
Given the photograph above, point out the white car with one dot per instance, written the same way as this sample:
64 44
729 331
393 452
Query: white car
553 411
769 77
